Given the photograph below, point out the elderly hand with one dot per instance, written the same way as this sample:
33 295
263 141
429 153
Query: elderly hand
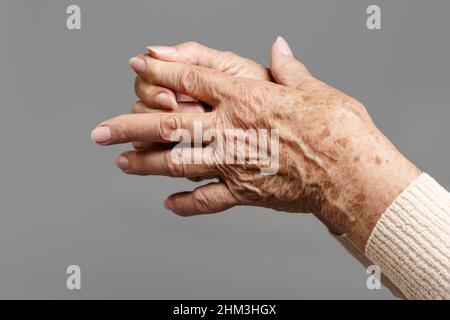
154 98
332 160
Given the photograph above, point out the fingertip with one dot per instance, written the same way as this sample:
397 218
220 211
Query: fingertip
101 135
122 162
283 47
138 65
168 204
178 203
161 50
166 101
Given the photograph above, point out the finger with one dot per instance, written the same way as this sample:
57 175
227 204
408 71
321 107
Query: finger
162 98
179 96
286 70
201 83
155 96
152 127
186 107
140 107
198 54
211 198
164 163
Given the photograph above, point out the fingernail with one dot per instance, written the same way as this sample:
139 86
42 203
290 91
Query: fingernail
163 50
168 205
101 135
183 98
165 100
122 162
283 47
190 109
138 65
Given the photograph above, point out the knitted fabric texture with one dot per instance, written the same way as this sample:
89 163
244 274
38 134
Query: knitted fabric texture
411 241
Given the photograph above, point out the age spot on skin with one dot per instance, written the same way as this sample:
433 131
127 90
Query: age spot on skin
360 197
355 159
342 142
325 133
307 98
304 99
377 160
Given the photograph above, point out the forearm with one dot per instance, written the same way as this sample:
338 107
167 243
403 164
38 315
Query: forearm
368 175
378 175
393 216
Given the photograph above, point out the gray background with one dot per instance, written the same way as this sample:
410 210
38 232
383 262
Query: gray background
62 201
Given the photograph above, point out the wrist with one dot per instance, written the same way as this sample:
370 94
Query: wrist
372 175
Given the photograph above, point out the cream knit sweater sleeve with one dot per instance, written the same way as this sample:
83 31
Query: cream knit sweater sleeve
411 241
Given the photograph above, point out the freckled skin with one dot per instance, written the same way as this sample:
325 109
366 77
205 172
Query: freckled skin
334 162
327 143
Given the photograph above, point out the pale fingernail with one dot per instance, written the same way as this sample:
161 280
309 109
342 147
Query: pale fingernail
183 98
283 47
138 65
101 135
165 100
164 50
168 205
196 109
122 162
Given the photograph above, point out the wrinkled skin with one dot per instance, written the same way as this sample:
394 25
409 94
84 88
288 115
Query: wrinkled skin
195 54
333 161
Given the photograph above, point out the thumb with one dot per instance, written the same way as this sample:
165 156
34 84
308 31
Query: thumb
286 70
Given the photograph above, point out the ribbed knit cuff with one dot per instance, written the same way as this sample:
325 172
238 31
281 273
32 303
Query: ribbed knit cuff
411 241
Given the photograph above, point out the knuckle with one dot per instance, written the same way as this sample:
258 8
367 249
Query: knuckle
173 169
189 80
177 123
168 127
252 99
191 44
229 54
200 201
228 62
